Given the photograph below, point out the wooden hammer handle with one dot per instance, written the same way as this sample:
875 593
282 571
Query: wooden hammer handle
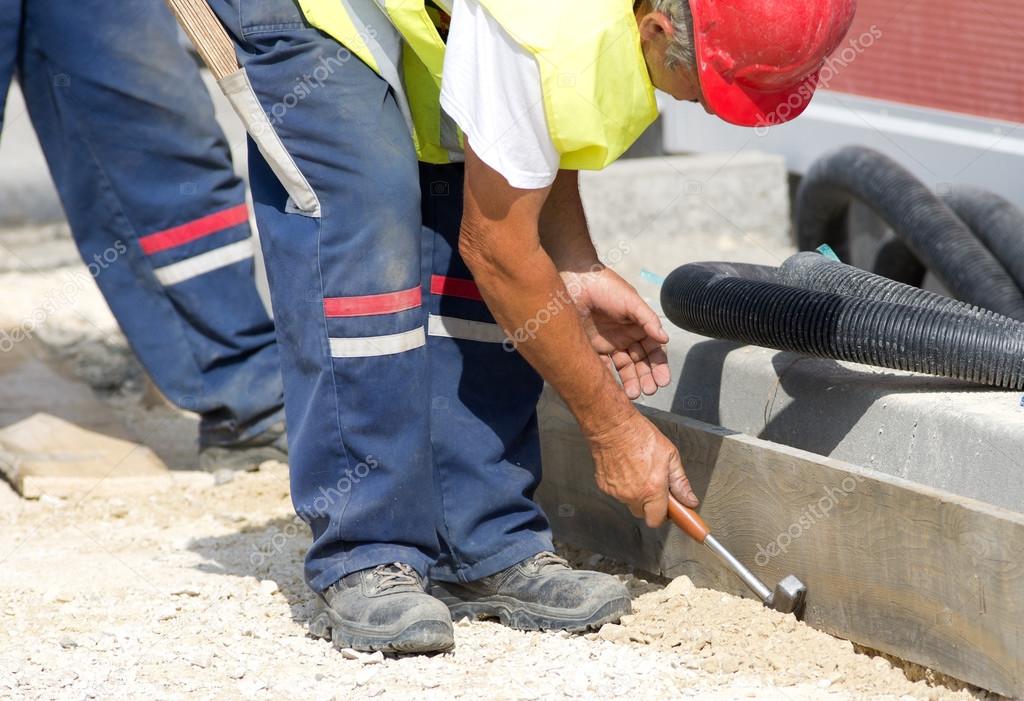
688 519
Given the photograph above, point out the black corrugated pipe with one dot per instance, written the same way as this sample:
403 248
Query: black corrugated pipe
997 223
855 316
896 262
813 271
919 219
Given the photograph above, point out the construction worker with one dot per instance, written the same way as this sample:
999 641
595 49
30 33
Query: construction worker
401 290
145 177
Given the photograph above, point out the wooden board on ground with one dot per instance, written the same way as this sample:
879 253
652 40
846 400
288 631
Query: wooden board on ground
44 454
922 574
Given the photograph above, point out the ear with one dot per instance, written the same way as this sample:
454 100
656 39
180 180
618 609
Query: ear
654 24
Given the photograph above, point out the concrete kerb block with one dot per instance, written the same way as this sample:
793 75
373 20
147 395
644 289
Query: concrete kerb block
655 214
937 432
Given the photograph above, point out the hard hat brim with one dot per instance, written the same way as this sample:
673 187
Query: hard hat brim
737 104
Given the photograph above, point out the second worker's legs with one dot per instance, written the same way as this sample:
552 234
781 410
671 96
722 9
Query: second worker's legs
159 216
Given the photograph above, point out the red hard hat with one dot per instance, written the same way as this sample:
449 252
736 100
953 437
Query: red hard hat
758 60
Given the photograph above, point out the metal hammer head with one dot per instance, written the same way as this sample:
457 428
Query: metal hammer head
788 596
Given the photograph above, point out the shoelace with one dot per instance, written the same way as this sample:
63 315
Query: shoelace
546 559
396 574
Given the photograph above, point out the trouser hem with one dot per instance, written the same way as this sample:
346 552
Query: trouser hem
367 556
528 545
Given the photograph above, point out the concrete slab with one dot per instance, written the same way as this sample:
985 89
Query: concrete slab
936 432
58 438
45 455
30 383
642 210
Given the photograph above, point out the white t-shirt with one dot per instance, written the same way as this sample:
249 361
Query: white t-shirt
491 87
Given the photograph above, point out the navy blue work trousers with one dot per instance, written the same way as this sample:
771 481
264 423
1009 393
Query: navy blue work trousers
412 427
144 174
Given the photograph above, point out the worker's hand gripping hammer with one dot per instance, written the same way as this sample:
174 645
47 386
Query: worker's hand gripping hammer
789 594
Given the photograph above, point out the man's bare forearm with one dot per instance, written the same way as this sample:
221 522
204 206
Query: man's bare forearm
564 233
530 301
522 287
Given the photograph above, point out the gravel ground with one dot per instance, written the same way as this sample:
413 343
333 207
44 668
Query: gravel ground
195 591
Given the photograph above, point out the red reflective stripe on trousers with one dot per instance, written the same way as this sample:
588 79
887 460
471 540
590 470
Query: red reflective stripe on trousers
454 287
195 229
368 305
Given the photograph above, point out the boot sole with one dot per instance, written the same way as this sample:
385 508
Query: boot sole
418 637
522 615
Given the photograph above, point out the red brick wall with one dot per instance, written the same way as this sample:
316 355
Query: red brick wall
959 55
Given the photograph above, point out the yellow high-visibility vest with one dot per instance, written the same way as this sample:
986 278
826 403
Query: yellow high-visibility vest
598 96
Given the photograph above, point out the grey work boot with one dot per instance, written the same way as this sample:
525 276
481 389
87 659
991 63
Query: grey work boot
540 593
384 608
246 455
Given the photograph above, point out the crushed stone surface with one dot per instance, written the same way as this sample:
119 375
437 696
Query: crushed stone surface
196 592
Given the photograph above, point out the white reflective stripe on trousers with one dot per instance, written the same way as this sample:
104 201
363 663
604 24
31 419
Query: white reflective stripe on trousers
204 262
370 346
464 329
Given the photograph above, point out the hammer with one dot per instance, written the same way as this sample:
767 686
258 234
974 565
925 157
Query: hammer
789 594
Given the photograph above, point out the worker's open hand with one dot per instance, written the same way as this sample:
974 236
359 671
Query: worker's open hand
635 463
622 328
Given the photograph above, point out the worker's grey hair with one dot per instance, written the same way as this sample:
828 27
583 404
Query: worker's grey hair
680 51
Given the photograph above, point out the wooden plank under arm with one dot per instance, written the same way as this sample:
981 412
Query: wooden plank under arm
926 575
207 34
